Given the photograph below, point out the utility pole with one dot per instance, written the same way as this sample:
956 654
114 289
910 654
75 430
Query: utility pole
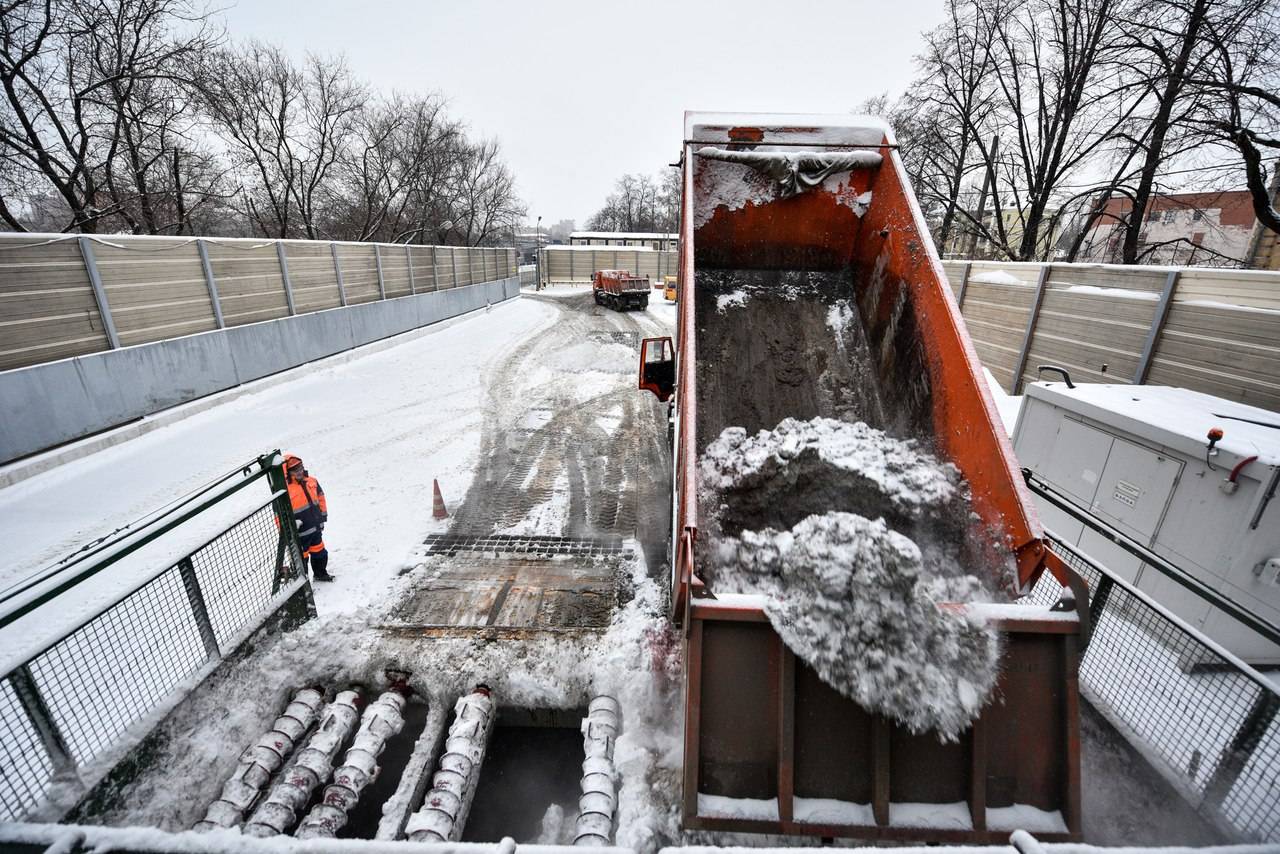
988 185
537 256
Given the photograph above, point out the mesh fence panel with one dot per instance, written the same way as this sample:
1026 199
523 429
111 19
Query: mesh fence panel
236 572
117 668
1212 727
27 771
105 676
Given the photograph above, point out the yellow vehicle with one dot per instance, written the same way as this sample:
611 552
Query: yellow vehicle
669 288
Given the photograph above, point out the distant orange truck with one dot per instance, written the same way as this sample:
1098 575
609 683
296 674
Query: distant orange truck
620 290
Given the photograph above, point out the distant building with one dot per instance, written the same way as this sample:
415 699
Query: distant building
1202 229
650 239
528 240
962 244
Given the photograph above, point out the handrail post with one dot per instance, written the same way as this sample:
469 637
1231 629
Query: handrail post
337 271
214 299
1239 751
99 293
284 276
288 545
1031 329
1157 327
55 745
199 610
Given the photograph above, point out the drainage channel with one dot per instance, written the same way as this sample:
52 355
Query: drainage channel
529 785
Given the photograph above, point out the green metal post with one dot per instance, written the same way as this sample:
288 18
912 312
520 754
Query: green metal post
288 545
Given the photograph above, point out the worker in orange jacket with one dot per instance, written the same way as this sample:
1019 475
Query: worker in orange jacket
310 511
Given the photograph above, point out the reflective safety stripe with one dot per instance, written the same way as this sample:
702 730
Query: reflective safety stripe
310 530
318 547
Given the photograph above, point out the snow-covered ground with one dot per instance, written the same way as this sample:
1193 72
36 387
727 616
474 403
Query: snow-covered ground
374 430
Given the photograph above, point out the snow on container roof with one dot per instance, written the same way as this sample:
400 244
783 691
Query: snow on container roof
788 128
582 247
633 235
1174 417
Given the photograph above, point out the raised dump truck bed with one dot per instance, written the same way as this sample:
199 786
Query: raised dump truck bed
811 292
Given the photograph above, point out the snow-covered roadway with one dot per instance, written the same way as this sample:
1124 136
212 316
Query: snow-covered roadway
374 430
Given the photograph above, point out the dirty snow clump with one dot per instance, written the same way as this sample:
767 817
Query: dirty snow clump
850 597
737 299
905 478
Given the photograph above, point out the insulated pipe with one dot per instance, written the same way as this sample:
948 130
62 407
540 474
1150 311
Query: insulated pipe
599 798
291 793
444 811
261 760
383 719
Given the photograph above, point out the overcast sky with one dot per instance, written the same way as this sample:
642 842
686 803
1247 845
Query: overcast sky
580 93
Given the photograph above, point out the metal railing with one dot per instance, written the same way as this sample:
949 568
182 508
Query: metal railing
1206 720
69 705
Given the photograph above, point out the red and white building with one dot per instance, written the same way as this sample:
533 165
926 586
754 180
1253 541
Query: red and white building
1202 229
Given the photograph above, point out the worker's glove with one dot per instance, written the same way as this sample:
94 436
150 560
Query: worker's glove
297 523
324 517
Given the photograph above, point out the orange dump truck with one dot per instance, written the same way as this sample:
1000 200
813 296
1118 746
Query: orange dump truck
823 385
620 290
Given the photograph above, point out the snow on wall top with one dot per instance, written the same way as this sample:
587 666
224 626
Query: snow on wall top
812 128
1174 417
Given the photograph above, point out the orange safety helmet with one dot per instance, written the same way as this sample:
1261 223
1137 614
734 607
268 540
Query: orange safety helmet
291 462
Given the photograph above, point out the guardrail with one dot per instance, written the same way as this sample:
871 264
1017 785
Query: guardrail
1206 720
64 710
67 295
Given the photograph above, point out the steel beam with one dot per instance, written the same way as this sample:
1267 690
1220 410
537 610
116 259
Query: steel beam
214 299
99 292
1157 327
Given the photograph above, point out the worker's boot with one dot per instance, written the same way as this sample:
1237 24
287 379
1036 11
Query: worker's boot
320 566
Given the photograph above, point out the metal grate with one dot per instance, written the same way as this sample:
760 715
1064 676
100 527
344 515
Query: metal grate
451 544
1210 721
68 705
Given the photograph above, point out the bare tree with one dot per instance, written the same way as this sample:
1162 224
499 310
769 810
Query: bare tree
485 199
285 128
80 78
638 203
1060 103
1243 77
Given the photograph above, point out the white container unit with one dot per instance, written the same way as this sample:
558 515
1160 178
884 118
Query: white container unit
1138 458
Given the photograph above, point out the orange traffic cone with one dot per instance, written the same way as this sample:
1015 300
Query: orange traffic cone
438 510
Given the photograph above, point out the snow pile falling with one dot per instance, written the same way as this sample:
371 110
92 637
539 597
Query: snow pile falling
895 472
849 596
857 539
